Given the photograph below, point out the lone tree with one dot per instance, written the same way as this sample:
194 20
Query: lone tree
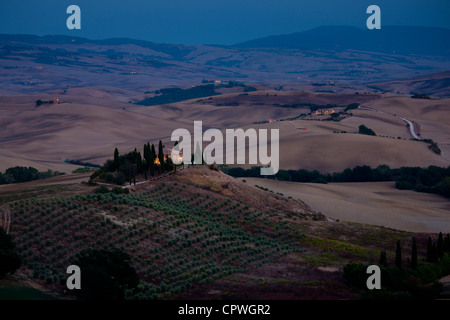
414 255
398 255
9 259
106 274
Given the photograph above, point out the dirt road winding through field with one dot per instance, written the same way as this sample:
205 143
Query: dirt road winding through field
410 124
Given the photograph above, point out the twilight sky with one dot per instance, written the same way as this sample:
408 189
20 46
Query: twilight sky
209 21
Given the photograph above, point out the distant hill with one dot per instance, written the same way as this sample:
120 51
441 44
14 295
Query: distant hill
434 85
389 39
174 50
326 59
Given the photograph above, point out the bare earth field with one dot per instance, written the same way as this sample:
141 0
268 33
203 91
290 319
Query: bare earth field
89 126
376 203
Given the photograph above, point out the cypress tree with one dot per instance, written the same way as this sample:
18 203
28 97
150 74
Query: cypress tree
429 250
153 151
383 259
139 164
447 243
434 255
414 255
440 246
149 151
146 157
152 160
116 159
161 157
398 255
152 169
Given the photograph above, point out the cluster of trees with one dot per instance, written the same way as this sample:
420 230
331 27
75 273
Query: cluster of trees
432 179
171 95
433 146
406 281
436 250
83 170
24 174
250 89
40 102
362 129
123 168
9 259
106 274
351 106
232 84
420 96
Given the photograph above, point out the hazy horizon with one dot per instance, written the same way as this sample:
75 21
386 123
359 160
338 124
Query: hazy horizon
206 22
212 44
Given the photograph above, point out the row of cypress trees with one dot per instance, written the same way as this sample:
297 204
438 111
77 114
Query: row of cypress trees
435 251
146 164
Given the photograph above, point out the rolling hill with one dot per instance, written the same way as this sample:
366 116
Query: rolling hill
331 59
437 85
199 233
196 234
88 126
389 39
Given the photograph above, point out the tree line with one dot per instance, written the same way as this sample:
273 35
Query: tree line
406 281
25 174
432 179
171 95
